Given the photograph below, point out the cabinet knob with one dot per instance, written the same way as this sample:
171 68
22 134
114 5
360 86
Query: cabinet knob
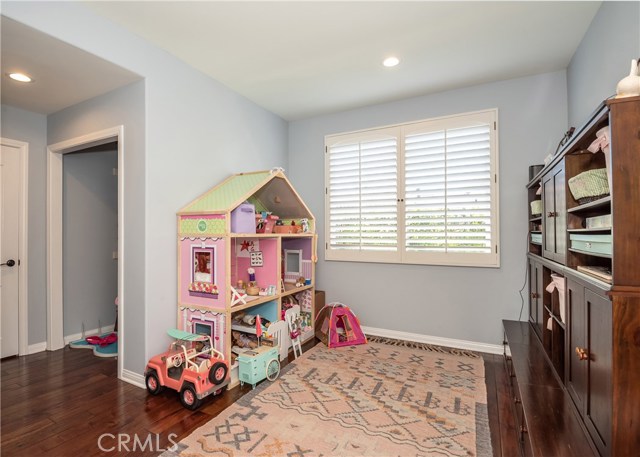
535 295
516 401
552 214
582 353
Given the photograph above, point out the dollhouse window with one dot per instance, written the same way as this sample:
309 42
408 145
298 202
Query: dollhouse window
203 328
292 263
203 265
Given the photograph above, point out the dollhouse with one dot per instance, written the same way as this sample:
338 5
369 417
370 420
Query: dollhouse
246 247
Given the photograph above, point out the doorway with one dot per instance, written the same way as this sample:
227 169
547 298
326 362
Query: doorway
90 241
55 232
13 247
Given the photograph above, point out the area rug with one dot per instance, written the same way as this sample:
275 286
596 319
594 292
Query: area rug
384 398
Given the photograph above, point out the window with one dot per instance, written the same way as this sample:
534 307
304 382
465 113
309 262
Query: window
292 264
424 192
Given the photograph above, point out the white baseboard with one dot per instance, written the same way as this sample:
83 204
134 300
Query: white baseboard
133 378
35 348
95 331
436 340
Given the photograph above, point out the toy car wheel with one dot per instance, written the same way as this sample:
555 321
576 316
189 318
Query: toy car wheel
189 399
273 369
218 373
153 384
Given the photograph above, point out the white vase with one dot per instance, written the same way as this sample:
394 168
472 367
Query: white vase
630 85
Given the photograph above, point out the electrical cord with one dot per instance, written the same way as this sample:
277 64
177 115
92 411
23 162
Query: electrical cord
524 284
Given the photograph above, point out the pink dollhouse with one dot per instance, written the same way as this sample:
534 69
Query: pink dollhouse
244 247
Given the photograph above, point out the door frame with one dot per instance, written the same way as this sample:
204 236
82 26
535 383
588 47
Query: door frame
55 299
23 246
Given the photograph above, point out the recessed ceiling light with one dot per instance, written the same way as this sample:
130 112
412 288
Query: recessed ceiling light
20 77
391 61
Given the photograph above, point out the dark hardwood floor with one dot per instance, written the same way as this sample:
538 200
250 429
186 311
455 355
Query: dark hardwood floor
69 403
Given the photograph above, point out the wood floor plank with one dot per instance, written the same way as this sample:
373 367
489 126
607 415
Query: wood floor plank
492 402
60 404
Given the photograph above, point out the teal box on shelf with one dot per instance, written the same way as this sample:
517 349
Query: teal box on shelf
597 244
252 365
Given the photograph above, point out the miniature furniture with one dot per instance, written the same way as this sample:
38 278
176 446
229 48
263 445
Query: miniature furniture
292 316
226 268
582 345
258 364
278 331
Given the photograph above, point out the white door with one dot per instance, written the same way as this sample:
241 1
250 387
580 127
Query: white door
10 188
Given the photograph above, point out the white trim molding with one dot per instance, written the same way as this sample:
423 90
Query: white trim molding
23 247
35 348
95 331
435 340
133 378
55 338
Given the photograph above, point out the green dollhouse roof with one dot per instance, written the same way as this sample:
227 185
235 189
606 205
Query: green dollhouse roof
268 191
227 194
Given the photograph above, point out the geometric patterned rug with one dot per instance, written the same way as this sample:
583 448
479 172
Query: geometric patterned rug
385 398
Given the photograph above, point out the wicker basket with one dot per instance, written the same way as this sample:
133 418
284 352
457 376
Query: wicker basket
589 185
253 290
536 207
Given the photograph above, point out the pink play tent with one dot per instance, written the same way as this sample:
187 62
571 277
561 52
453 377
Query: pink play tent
337 326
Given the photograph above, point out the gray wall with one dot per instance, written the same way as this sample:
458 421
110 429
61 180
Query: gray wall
603 58
126 107
18 124
451 302
90 237
189 132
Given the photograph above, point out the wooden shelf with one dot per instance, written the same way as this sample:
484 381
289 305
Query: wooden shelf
592 279
272 235
291 289
591 205
595 254
590 230
536 219
254 301
247 328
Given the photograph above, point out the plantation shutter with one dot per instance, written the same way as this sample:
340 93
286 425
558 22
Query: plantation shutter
448 190
423 192
362 195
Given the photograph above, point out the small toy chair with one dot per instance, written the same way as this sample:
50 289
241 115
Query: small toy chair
292 316
278 330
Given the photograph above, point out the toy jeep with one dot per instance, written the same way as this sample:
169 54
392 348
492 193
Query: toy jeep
191 366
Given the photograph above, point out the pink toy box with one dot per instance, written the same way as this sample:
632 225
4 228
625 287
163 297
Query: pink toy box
243 219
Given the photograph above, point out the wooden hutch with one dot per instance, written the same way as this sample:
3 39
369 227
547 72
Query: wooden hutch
575 366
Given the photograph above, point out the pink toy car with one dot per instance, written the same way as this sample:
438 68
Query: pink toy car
191 367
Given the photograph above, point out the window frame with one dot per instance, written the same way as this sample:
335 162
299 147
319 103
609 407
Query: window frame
401 255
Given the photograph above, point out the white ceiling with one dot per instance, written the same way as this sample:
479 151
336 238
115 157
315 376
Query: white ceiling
301 59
